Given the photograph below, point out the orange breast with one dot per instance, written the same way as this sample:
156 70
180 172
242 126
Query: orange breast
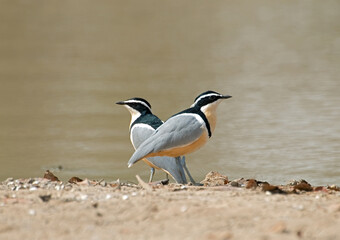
150 164
182 150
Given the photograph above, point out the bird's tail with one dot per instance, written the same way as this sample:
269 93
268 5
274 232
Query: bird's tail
140 153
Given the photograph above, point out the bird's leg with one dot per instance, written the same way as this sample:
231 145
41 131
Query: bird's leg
152 172
187 170
167 176
183 179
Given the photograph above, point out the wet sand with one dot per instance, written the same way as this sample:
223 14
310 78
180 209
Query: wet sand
40 208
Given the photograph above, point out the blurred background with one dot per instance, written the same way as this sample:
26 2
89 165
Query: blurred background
63 65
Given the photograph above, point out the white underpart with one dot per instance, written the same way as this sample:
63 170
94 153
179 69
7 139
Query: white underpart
134 114
137 101
138 125
204 96
211 106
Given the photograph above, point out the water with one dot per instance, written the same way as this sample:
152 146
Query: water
63 65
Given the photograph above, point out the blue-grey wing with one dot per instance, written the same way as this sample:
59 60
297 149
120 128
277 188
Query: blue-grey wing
139 133
177 131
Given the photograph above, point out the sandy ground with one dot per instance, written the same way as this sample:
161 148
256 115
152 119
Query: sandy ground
44 209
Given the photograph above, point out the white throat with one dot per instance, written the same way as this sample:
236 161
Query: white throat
210 112
134 114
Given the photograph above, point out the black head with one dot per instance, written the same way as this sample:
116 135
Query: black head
138 104
208 97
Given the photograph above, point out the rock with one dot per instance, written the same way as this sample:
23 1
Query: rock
161 182
266 187
320 188
75 180
103 183
303 186
334 188
293 183
45 198
215 179
9 180
50 176
30 180
234 184
251 184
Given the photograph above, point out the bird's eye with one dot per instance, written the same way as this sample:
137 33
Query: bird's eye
212 97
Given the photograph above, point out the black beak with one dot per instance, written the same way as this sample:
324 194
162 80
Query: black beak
225 96
120 103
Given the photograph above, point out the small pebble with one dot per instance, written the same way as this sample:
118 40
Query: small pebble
31 212
10 183
83 197
9 180
125 197
108 196
45 198
33 188
30 181
95 205
234 184
103 184
184 208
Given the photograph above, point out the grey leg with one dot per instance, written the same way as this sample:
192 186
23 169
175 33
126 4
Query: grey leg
152 172
187 170
181 173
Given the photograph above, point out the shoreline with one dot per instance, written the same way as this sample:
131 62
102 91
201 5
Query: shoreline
40 208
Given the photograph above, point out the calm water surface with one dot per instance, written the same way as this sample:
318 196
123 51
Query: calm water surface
64 64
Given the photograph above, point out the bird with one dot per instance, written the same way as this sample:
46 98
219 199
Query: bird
184 132
142 125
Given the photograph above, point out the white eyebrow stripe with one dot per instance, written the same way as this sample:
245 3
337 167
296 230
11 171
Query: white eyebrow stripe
137 101
207 95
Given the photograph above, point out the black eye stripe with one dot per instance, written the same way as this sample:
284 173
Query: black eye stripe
213 97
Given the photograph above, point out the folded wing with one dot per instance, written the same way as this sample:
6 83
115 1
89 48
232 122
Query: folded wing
177 131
